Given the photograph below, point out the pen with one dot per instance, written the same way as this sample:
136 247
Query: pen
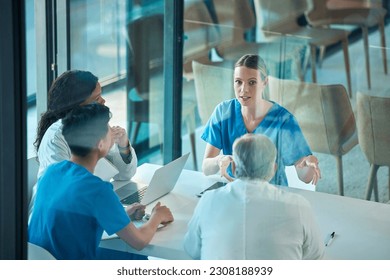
331 237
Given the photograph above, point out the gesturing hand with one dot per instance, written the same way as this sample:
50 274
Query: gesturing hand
223 164
311 162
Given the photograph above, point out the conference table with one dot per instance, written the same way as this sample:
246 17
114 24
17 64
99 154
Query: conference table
362 228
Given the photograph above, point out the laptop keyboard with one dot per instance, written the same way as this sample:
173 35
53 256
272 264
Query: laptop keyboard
134 197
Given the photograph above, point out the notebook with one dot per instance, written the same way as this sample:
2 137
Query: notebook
105 170
163 181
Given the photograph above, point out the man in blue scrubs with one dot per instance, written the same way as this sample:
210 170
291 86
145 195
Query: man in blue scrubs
73 207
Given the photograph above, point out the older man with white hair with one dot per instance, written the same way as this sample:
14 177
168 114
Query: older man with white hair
250 218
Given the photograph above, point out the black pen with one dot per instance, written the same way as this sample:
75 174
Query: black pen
330 239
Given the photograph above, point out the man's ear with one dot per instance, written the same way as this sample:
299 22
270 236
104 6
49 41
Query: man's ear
275 168
100 144
233 168
273 173
100 147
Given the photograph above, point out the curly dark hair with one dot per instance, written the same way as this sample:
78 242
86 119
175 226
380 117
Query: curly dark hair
68 91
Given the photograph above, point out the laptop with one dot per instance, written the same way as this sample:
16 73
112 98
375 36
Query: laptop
163 181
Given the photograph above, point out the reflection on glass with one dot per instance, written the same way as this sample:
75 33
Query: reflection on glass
30 49
31 67
121 42
97 44
215 32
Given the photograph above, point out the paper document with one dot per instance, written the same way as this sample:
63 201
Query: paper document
105 170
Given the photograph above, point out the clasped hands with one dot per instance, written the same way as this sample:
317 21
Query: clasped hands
120 136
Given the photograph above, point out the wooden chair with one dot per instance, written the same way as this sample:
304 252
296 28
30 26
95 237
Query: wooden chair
281 17
200 35
373 118
324 113
213 84
234 18
364 14
32 172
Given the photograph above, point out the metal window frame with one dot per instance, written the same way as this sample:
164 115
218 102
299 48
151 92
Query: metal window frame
173 75
13 131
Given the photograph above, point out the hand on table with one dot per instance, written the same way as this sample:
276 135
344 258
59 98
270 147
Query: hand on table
135 211
162 213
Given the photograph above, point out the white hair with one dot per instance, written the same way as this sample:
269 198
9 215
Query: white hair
254 156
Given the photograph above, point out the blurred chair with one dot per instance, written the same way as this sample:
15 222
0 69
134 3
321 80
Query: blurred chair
281 17
324 113
145 81
234 18
200 35
363 13
145 58
213 84
373 119
35 252
32 172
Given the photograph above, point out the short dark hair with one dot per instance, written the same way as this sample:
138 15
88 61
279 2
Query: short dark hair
84 126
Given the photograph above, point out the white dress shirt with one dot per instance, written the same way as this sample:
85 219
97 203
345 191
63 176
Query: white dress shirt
253 220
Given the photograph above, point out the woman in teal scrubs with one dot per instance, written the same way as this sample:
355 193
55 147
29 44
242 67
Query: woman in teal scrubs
250 113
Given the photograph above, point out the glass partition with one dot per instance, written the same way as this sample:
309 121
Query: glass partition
121 42
31 76
307 64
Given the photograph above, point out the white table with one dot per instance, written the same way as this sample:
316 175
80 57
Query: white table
362 227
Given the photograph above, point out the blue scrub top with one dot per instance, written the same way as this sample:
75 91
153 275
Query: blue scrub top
226 124
71 210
